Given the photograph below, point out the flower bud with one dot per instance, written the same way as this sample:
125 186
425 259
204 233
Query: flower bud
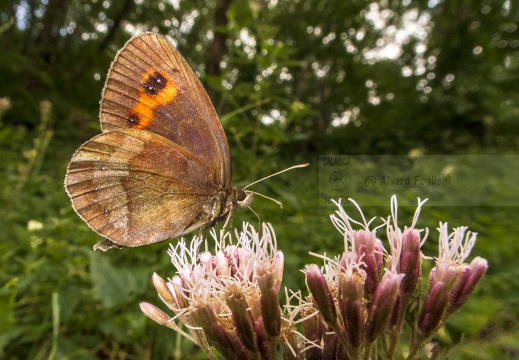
265 345
321 293
467 282
265 278
154 313
446 273
433 308
215 334
365 243
163 290
279 264
410 262
351 291
271 312
241 317
382 305
330 341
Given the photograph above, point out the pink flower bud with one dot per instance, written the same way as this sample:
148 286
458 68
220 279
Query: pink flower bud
240 350
351 291
163 290
467 282
433 308
321 293
265 278
265 345
442 280
331 342
279 264
409 264
203 315
382 305
365 244
154 313
215 334
410 260
242 318
271 312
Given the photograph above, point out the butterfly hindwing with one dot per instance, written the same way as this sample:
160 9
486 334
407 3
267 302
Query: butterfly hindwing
135 187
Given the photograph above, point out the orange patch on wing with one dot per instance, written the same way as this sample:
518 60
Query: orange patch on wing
147 103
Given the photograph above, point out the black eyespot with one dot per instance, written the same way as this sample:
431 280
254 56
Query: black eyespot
133 119
155 83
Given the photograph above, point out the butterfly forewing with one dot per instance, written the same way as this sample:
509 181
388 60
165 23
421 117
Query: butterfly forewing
151 87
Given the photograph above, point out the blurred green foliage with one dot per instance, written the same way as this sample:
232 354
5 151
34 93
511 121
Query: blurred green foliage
296 80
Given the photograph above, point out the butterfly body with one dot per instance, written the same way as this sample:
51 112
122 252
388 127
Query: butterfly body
161 168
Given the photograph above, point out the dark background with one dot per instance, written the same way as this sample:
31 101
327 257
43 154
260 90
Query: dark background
291 80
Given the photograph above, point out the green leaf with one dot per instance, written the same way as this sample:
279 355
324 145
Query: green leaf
115 286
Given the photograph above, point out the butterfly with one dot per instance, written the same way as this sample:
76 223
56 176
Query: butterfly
161 167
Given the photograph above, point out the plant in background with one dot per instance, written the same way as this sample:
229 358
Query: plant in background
363 303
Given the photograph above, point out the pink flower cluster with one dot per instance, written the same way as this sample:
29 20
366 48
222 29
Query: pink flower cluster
364 295
359 302
229 300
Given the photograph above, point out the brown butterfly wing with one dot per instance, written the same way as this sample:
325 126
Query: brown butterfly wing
135 187
151 87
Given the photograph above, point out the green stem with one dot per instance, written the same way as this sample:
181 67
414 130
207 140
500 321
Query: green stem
55 325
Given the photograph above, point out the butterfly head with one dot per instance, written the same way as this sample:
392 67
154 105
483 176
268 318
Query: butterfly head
241 198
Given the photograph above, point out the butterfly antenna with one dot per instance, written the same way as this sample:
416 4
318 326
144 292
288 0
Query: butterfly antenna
267 197
279 172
